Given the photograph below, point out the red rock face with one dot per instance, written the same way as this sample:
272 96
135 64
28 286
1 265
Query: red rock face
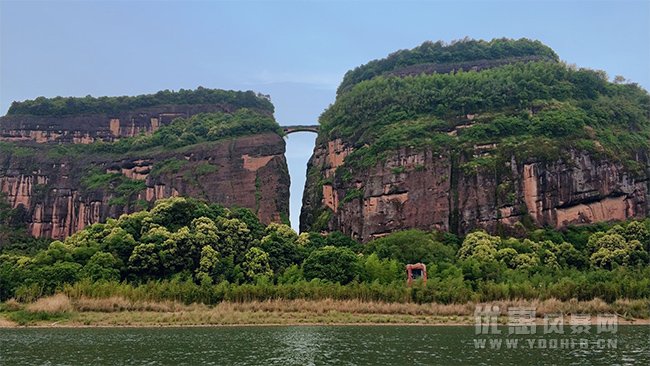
247 172
97 127
428 190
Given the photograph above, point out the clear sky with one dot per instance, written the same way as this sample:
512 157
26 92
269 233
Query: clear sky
295 51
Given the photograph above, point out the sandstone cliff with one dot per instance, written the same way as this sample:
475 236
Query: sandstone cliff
58 187
88 128
519 142
247 172
425 189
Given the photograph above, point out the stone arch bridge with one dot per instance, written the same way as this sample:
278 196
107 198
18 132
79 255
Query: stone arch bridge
300 128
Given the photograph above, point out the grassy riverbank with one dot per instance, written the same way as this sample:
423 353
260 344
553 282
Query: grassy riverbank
61 310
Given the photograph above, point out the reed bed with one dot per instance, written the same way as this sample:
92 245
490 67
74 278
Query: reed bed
117 310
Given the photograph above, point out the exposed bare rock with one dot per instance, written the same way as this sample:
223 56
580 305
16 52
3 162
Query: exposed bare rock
86 129
428 190
248 171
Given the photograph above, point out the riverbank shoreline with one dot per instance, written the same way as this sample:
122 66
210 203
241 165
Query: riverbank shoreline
6 324
61 311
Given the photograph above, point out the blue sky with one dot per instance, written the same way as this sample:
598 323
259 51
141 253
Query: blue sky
295 51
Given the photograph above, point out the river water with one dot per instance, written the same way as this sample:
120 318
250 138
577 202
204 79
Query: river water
316 345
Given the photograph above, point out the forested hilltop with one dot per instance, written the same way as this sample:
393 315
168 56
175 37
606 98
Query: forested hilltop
464 54
65 106
544 105
66 163
520 142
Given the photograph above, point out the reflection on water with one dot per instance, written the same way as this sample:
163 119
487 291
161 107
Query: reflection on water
304 345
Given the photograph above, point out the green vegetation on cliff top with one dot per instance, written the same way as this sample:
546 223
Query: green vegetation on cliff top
181 132
440 53
534 109
197 129
62 106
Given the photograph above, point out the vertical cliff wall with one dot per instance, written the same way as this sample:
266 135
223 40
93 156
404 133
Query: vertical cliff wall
426 189
62 195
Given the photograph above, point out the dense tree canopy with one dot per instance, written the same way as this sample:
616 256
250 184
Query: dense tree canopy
61 106
185 240
440 53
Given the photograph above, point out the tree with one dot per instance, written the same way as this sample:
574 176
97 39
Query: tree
480 245
381 270
56 252
338 239
332 264
102 266
120 243
204 232
636 230
156 234
234 238
55 276
145 261
611 250
176 212
507 256
179 253
281 245
251 220
292 274
207 265
256 264
411 246
133 223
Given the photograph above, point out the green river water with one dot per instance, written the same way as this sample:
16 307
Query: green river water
317 345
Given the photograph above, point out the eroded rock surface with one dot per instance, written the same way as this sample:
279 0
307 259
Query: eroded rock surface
428 190
86 129
248 171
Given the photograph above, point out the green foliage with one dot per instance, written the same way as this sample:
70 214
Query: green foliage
61 106
333 264
234 238
204 168
412 246
200 128
24 317
439 53
117 184
480 246
102 266
533 110
168 166
256 264
283 248
9 149
96 179
187 250
619 247
322 220
207 265
351 195
381 270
